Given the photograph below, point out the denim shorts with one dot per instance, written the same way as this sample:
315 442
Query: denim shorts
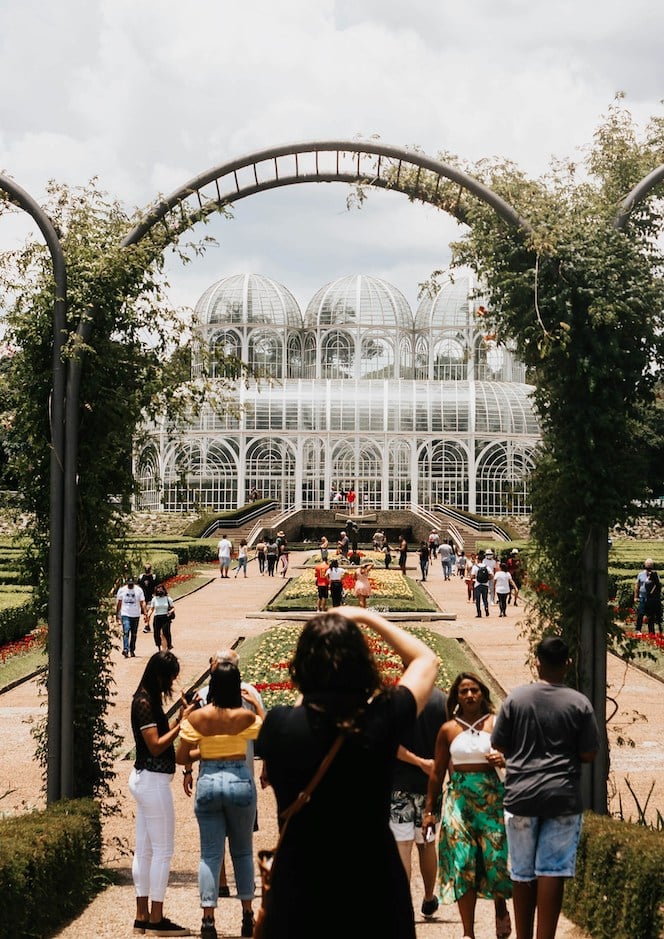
542 847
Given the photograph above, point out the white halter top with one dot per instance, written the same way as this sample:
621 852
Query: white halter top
470 746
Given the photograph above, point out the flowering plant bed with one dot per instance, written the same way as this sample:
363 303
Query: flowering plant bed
390 591
268 657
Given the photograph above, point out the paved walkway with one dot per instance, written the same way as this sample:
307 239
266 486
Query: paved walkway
219 614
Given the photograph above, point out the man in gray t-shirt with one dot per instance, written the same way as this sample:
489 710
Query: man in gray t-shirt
546 731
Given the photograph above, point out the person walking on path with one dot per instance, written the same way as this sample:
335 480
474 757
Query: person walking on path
481 579
224 549
472 851
339 845
423 555
148 583
546 730
150 785
260 556
162 607
335 575
225 801
272 555
324 546
403 554
409 789
242 558
445 555
648 596
130 603
505 586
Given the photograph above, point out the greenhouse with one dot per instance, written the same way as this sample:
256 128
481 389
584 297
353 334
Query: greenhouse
408 410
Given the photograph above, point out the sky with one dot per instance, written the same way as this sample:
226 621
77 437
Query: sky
146 94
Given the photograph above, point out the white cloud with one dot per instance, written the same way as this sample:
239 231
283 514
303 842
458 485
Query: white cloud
145 94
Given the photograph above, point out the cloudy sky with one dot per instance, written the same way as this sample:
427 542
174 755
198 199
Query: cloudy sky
146 94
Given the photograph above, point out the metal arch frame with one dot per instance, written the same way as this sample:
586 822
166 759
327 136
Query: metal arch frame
638 193
61 551
265 171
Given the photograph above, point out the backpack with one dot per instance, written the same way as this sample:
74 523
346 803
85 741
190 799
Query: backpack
482 575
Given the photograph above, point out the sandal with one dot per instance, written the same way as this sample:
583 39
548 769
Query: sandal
503 926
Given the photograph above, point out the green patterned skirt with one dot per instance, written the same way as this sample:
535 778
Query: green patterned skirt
472 849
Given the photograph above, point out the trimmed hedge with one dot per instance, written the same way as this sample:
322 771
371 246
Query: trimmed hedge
17 615
50 867
618 891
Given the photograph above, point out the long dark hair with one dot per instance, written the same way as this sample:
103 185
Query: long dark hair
332 658
453 694
225 686
157 679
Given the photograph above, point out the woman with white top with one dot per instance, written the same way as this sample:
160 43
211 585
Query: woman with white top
504 583
162 605
335 576
472 850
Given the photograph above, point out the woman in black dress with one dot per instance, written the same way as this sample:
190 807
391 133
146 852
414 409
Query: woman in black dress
338 870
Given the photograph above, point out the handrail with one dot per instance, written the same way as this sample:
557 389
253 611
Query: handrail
237 522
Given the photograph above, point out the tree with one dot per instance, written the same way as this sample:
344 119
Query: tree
584 305
131 365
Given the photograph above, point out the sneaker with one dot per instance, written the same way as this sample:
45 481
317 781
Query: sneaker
139 926
166 927
208 929
224 890
133 655
146 629
429 907
247 923
125 653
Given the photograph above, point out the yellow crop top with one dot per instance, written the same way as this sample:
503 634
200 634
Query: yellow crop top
219 745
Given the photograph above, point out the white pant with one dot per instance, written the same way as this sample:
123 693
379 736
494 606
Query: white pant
155 830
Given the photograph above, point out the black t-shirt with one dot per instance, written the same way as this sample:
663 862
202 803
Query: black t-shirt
542 728
339 845
147 583
420 739
143 714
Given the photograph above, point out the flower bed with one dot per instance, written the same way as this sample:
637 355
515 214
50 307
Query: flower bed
267 667
29 643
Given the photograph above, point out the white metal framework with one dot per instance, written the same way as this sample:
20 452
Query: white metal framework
407 410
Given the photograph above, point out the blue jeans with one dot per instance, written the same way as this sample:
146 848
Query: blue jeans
225 807
129 631
482 597
241 566
542 847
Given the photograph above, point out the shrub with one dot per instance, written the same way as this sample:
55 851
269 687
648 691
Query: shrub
17 615
618 891
49 867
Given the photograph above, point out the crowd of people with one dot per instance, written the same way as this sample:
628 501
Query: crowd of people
490 800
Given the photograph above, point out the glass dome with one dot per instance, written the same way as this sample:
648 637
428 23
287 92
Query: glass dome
449 309
248 300
361 301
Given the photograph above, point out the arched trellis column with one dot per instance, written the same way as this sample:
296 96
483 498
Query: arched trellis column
373 164
60 631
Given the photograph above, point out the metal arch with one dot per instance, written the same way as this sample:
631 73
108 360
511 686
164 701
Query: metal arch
60 634
372 163
638 193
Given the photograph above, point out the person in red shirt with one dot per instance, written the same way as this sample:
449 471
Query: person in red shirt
322 586
350 499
